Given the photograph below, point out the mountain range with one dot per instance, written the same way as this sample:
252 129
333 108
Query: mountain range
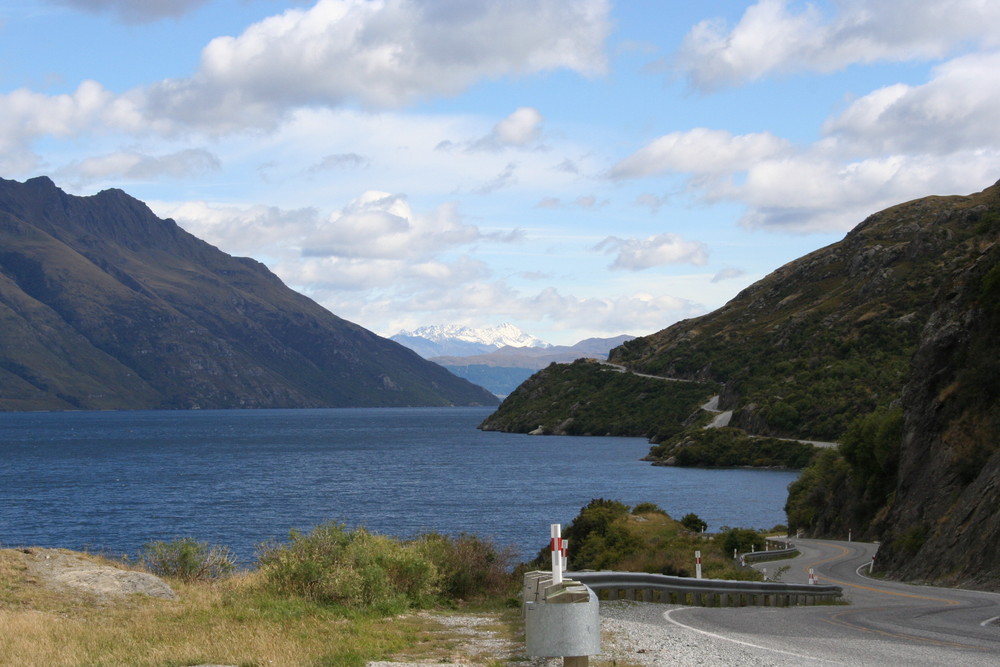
498 358
887 342
457 340
105 306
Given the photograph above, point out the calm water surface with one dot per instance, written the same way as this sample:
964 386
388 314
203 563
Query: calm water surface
115 480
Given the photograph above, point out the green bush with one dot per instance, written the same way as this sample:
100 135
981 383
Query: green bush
693 522
470 567
648 508
741 540
187 559
354 569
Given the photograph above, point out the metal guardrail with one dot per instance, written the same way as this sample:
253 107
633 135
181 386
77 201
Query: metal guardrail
704 592
773 554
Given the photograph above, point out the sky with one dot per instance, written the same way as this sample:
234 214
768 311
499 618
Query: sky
577 168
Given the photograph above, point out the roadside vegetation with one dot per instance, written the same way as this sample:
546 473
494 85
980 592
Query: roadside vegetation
330 597
610 535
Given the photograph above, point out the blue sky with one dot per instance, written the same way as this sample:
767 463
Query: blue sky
577 168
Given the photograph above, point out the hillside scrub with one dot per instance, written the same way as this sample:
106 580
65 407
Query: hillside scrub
590 398
730 447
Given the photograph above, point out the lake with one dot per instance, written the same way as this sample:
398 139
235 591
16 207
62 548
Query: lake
111 481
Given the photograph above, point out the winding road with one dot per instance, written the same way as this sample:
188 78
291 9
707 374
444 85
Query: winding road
886 623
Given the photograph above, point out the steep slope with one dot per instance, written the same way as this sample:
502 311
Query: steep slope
104 305
829 336
889 342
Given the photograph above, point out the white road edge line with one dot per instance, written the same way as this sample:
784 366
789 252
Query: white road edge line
667 617
989 620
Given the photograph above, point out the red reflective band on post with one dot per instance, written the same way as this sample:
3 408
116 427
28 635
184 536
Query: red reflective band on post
556 544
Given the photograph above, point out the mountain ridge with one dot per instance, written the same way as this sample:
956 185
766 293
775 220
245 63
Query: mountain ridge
106 306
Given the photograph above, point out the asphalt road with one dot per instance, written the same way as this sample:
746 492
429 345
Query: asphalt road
886 623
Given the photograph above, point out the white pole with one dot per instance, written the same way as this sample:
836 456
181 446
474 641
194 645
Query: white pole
555 531
565 555
697 564
848 534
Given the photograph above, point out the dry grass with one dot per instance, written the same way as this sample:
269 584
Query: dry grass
227 622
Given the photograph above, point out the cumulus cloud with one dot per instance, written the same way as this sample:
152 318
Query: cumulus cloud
699 151
373 226
383 54
659 250
378 54
776 36
521 128
137 11
954 111
244 230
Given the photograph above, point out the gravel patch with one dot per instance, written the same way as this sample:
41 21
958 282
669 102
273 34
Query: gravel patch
632 633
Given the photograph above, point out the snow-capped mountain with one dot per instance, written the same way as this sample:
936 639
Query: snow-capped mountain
456 340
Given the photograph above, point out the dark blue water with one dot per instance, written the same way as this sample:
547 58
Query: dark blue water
112 481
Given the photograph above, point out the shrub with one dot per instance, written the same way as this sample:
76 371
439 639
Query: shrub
694 522
470 567
187 559
648 508
741 540
355 569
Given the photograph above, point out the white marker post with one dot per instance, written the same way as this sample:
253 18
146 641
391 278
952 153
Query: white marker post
565 555
812 577
555 531
697 564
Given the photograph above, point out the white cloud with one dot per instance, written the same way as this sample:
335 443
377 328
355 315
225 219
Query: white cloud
771 36
133 165
659 250
955 111
374 53
727 274
137 11
700 151
374 226
482 302
521 128
812 193
380 54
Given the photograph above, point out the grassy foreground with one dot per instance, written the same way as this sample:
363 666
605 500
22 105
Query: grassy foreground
293 609
331 597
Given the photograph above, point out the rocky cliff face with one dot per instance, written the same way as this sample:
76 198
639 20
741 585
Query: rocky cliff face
105 306
943 521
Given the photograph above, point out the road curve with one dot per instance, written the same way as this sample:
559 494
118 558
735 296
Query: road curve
886 623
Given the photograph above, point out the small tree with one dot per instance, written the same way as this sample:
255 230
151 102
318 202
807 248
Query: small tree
692 521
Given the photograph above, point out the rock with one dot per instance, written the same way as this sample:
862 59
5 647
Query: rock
60 569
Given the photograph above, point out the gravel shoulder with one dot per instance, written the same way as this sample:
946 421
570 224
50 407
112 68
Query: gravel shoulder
632 633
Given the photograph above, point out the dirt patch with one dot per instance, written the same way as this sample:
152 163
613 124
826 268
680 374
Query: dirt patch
62 570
